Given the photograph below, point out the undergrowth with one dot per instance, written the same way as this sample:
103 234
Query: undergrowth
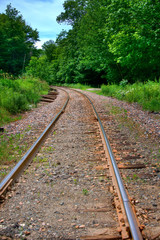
147 95
19 95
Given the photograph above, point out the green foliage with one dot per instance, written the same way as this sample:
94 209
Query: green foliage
123 83
132 36
74 10
16 42
6 117
110 42
49 48
85 192
147 94
19 95
41 68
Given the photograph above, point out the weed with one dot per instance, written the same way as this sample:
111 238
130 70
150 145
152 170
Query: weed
85 192
147 95
2 173
19 95
6 117
135 177
125 121
35 159
127 179
75 181
116 110
10 147
26 171
46 172
42 160
28 128
49 149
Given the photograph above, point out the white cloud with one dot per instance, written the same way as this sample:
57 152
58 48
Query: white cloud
40 14
40 43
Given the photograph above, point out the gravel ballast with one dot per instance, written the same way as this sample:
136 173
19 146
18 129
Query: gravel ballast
60 194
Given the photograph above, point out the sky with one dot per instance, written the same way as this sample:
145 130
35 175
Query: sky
40 15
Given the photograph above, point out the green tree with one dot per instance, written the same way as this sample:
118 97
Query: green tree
16 42
132 34
96 62
40 68
50 48
73 11
110 41
87 55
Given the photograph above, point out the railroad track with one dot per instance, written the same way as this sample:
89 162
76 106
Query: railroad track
27 158
129 227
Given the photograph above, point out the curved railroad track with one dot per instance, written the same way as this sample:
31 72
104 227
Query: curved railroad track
87 147
27 158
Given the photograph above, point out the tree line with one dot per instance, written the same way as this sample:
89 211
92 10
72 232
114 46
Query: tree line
17 41
110 41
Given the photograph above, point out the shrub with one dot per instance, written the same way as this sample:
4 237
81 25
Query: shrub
147 94
17 95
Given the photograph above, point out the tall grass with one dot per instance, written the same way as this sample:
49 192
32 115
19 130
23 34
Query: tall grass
19 95
147 94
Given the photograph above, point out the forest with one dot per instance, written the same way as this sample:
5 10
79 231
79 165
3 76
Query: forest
111 42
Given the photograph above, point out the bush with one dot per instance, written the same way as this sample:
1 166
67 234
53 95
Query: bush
13 102
18 95
147 94
41 68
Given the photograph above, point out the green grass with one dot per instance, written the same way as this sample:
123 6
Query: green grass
146 95
77 86
7 142
6 117
50 149
11 150
19 95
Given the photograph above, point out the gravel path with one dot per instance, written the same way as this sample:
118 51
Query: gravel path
60 193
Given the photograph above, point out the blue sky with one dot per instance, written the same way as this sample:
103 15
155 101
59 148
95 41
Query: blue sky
40 14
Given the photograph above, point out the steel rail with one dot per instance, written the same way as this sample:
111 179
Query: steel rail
135 232
26 159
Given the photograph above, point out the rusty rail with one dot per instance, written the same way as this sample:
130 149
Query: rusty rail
26 159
